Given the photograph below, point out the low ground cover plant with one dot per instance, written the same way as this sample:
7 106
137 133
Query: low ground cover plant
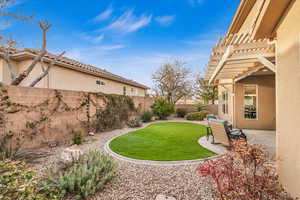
17 181
146 116
163 108
79 178
244 173
197 116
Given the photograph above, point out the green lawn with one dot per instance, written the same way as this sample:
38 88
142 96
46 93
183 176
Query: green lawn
165 141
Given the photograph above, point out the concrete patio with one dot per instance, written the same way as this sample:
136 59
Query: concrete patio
264 138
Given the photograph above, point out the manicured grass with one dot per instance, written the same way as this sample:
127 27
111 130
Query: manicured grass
165 141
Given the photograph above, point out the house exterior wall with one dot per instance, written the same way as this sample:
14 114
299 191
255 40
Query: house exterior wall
288 100
266 107
68 79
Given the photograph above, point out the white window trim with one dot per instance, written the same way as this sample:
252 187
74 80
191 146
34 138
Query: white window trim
257 106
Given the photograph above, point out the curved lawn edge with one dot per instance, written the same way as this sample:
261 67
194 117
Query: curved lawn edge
108 150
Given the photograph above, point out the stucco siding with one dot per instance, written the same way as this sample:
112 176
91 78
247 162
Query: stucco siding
266 107
288 100
68 79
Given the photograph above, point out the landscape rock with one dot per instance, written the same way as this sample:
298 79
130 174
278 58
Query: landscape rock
164 197
91 133
69 154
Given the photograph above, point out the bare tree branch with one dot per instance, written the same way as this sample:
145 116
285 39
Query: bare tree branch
10 67
45 26
46 71
172 81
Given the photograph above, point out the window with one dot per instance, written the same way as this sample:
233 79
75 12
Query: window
98 82
124 90
134 92
250 102
225 102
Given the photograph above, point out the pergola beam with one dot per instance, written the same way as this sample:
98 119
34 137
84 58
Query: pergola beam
219 67
267 63
248 73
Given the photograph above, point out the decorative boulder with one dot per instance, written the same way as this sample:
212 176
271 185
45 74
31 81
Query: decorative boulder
70 154
91 133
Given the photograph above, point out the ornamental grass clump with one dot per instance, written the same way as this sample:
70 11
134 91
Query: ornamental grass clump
80 178
244 173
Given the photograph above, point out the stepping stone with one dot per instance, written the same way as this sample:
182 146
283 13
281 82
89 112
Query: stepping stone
164 197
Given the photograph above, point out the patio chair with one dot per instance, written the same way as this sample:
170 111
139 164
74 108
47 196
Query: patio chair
208 128
223 134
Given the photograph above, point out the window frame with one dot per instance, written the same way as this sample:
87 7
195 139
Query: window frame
257 106
225 103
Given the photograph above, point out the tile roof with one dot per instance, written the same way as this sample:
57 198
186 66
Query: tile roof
75 65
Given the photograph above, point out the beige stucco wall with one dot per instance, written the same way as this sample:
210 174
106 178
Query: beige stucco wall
68 79
266 108
288 100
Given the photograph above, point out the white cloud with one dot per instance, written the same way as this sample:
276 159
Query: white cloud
128 23
165 20
5 24
104 15
94 39
111 47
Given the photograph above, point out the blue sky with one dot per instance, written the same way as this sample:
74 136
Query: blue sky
131 38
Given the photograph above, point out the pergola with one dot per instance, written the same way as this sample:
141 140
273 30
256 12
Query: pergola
237 56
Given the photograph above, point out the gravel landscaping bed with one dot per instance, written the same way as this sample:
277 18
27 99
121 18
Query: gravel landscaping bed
142 182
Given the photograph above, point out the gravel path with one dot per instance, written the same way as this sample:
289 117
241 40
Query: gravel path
143 182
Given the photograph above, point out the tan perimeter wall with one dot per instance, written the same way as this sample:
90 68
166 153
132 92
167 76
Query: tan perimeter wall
288 100
68 79
266 103
58 126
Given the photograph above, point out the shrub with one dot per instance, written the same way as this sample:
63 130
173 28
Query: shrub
80 178
244 174
197 116
134 123
181 112
146 116
18 182
77 137
162 108
200 106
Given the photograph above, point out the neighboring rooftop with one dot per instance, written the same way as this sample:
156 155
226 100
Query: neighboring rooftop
73 64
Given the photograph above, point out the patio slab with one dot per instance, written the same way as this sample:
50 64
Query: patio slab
264 138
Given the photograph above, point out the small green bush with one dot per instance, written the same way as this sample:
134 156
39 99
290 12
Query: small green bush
199 106
181 112
197 116
80 178
6 149
134 123
146 116
77 137
162 108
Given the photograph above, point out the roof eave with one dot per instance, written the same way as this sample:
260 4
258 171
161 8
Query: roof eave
27 55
